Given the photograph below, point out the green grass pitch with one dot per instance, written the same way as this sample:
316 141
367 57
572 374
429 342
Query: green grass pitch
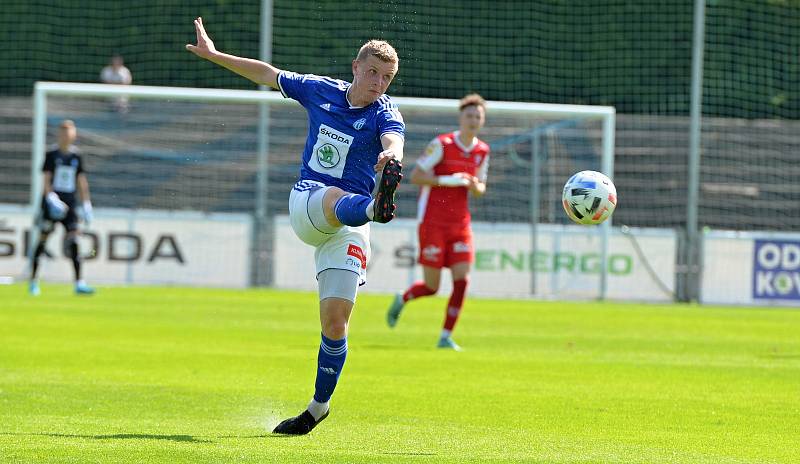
173 375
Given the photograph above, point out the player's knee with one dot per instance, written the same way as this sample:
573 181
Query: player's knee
40 247
337 294
433 287
332 195
71 246
320 212
46 227
431 283
329 200
461 271
335 329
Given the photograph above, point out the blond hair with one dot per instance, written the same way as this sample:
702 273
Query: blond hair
472 99
379 49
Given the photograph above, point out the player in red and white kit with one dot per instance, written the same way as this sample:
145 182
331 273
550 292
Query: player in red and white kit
453 166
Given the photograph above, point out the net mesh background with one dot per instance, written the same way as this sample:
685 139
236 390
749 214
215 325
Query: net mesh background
635 56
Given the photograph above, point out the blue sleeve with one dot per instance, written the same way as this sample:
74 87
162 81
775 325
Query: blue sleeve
390 120
295 86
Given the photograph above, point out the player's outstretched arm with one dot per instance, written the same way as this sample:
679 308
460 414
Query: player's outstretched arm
255 70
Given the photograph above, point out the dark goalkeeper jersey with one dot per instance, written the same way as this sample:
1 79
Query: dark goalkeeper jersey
65 168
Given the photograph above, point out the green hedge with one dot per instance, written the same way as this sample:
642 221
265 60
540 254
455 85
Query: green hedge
635 55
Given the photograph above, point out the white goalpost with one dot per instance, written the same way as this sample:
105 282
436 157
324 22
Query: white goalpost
196 152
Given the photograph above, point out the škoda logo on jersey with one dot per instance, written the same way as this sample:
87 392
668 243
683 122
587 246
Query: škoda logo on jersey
335 135
331 149
328 155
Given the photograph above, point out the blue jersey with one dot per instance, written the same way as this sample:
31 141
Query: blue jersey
343 141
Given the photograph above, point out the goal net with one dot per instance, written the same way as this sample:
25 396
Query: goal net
231 156
635 56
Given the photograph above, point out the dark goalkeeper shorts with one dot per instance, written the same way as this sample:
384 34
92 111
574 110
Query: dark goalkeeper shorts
47 224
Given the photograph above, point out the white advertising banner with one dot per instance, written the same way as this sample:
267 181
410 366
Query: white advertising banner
138 248
566 263
750 268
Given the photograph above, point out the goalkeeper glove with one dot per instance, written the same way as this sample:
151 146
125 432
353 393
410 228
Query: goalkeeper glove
88 215
56 209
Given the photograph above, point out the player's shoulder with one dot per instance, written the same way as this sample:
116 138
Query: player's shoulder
73 153
314 79
483 146
327 82
447 138
385 106
385 101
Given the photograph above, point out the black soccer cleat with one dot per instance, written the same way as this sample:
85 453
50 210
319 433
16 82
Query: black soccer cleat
299 425
384 198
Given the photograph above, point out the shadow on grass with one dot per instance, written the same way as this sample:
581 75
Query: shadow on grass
266 435
147 436
130 436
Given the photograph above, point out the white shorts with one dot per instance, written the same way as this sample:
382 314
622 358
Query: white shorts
347 248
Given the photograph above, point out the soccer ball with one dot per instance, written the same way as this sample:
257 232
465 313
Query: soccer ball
589 197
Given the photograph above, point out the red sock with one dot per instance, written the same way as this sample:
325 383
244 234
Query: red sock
455 303
417 290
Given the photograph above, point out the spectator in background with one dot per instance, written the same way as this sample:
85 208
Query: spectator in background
117 73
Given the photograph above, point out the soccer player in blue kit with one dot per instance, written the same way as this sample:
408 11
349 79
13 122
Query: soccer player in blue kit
355 131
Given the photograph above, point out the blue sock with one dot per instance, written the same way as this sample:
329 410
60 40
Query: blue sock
330 361
351 210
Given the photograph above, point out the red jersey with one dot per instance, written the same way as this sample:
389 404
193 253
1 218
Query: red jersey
446 155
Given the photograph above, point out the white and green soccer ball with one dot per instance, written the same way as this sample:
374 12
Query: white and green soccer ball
589 197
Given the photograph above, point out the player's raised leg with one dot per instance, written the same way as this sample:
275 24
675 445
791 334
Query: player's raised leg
355 210
330 208
312 211
384 198
338 289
